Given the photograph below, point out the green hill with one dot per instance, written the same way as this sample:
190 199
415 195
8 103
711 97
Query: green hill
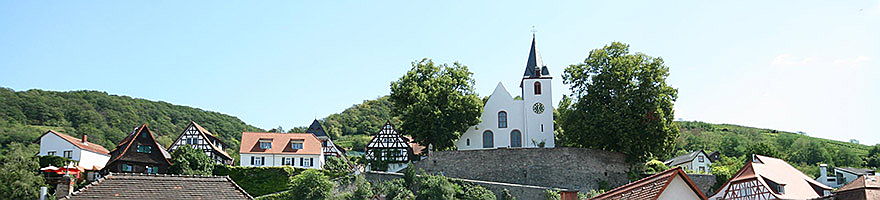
107 119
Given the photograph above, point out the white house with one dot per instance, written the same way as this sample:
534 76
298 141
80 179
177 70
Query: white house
90 156
301 150
697 161
509 122
841 175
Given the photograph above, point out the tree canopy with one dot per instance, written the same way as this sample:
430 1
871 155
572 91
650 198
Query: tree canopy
191 161
436 103
18 172
620 102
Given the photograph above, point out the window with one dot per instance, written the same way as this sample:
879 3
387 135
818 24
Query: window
144 149
702 169
700 158
537 88
468 142
265 144
51 153
68 154
307 162
542 128
296 145
488 139
126 168
287 161
515 138
502 119
152 170
258 161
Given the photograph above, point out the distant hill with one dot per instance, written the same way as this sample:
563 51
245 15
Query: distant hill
107 119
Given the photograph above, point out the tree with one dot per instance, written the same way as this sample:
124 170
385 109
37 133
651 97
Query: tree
436 103
436 188
310 185
190 161
621 103
655 166
873 157
363 191
19 173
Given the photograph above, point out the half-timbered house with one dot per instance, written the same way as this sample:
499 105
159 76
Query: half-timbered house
765 177
327 146
388 148
139 153
198 137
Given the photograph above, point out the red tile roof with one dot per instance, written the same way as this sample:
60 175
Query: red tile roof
160 186
863 182
78 143
650 187
280 143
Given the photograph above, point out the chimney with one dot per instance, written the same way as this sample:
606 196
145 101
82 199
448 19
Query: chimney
823 170
85 139
64 188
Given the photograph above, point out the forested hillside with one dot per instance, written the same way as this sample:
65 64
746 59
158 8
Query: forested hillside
107 119
364 118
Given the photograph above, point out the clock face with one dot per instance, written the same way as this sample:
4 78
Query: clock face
538 108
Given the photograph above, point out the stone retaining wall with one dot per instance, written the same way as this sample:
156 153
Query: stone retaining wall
517 190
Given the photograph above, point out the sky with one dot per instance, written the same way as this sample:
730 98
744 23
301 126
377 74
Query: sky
805 65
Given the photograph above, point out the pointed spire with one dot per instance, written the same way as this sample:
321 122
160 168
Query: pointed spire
534 66
316 129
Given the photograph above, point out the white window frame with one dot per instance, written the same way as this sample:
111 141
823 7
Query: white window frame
51 153
68 154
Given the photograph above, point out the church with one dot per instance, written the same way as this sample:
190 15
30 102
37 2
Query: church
509 122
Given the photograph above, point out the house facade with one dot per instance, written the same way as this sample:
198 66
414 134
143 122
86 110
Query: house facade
390 149
841 175
139 153
327 145
198 137
302 150
89 156
509 122
765 177
696 161
672 184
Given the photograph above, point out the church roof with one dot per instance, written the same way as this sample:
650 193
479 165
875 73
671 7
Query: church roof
535 66
316 129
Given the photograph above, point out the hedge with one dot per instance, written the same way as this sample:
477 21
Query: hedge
259 181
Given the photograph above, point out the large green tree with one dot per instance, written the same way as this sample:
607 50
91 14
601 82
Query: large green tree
191 161
19 173
310 185
621 103
436 103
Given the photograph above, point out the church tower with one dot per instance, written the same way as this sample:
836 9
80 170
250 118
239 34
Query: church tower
537 104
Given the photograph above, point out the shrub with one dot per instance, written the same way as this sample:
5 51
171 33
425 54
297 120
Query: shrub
309 185
191 161
363 191
57 161
505 195
655 166
394 189
258 181
552 195
475 192
436 187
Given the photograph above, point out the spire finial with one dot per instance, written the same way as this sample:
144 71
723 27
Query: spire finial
534 30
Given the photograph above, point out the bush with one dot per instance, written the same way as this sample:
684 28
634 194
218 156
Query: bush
191 161
655 166
475 192
394 189
552 195
258 181
363 191
505 195
436 187
56 161
309 185
337 166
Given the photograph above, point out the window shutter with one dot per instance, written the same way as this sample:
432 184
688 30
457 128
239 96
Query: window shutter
301 162
252 160
311 162
262 160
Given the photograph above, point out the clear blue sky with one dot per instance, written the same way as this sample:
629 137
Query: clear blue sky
807 66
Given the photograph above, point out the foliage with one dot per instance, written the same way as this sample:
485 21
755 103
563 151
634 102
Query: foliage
590 194
873 157
337 166
364 190
505 195
191 161
107 119
259 181
436 103
725 168
394 189
475 192
353 142
655 166
56 161
365 118
310 185
552 195
436 188
621 103
18 172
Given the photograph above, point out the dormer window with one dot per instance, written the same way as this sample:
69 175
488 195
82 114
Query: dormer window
537 88
265 143
296 144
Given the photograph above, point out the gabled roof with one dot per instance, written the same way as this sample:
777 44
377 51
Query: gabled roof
684 158
123 146
534 64
797 184
388 138
155 186
416 147
88 146
207 134
651 187
856 171
863 182
316 129
280 143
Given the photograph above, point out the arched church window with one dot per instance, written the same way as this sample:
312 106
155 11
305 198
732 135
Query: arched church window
515 138
537 88
468 142
488 139
502 119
